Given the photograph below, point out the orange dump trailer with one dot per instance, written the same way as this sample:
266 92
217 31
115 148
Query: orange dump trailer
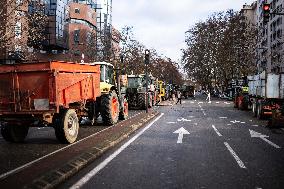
54 93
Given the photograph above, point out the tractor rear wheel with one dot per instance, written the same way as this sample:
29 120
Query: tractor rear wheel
123 114
110 108
66 126
142 101
14 133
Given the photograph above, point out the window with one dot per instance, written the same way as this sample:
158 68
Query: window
18 30
76 36
77 10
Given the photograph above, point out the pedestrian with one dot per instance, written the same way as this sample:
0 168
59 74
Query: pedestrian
208 96
178 97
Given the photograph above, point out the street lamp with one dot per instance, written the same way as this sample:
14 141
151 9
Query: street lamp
147 61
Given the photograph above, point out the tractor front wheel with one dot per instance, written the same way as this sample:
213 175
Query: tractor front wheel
123 114
110 108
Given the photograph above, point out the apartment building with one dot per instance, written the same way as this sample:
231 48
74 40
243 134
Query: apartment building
269 49
72 32
13 29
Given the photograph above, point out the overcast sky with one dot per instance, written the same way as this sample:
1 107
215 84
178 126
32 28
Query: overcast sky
160 24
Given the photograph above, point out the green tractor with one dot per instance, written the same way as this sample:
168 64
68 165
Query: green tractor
112 104
136 92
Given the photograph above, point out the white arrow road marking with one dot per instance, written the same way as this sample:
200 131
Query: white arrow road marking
255 134
182 119
235 121
218 133
181 131
233 153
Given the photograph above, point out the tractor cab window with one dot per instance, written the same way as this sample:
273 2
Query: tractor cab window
109 75
106 74
102 76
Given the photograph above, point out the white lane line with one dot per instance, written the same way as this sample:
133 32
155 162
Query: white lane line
271 143
215 129
4 175
92 173
229 124
171 122
254 125
233 153
202 109
217 102
223 117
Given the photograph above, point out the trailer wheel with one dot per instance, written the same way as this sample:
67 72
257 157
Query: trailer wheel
66 126
124 113
110 108
14 133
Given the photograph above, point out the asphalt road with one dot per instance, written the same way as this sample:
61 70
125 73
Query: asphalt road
219 152
39 142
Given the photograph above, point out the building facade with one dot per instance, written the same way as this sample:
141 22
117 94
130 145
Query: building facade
75 30
269 41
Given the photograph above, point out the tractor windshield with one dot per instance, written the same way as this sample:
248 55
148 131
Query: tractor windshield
134 82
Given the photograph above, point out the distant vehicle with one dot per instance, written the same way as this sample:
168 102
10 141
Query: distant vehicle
187 91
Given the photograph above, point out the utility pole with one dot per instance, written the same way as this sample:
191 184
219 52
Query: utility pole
147 61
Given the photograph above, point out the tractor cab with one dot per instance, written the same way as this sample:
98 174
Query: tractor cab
107 80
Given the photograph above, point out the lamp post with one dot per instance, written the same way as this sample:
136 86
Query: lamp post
147 61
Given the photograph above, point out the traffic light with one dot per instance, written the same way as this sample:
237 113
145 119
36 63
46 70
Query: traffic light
147 56
266 12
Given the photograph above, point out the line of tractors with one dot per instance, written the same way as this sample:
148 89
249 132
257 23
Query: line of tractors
61 94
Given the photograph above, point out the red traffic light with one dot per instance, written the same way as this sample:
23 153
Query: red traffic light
266 7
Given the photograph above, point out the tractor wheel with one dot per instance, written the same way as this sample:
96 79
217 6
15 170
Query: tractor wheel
110 108
254 111
14 133
259 112
124 113
66 126
142 101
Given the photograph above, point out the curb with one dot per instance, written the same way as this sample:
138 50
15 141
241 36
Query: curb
55 177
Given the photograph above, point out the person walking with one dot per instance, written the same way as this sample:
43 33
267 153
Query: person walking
208 96
178 97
